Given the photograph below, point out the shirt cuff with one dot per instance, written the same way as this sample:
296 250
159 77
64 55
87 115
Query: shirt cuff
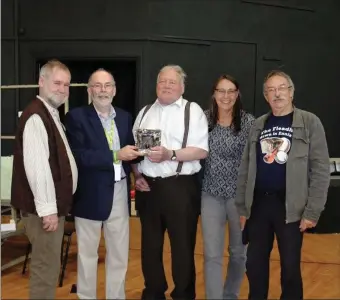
47 209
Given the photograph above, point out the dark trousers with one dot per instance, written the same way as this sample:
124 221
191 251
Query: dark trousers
173 204
268 217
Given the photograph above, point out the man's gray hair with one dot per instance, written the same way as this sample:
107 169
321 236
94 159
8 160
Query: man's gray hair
101 70
178 69
278 73
48 68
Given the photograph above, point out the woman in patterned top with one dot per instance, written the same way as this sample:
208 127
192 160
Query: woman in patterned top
229 126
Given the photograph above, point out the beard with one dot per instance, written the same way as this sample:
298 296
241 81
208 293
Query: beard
102 100
56 100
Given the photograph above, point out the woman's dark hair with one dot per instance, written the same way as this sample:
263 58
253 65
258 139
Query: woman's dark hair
237 108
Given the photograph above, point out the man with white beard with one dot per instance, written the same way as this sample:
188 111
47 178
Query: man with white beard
101 139
44 177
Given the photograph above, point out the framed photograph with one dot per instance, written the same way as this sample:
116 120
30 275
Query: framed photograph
147 138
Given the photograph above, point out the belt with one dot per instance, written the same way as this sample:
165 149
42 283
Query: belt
158 178
120 179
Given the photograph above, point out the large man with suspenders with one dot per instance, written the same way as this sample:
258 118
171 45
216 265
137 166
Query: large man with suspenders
167 185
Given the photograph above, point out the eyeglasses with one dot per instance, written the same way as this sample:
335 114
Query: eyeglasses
280 89
106 86
228 92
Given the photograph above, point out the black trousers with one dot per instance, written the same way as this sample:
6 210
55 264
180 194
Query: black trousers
173 204
268 217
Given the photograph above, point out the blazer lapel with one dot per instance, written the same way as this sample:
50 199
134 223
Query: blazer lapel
97 126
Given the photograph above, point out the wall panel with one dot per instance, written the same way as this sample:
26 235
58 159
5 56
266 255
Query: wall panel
77 19
8 112
7 19
304 43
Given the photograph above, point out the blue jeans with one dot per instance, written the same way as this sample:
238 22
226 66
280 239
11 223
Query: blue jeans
216 212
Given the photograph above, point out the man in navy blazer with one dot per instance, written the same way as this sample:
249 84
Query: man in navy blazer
102 142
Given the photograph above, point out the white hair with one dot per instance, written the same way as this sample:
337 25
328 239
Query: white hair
177 69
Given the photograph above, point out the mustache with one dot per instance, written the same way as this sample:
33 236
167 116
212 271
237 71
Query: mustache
101 96
58 94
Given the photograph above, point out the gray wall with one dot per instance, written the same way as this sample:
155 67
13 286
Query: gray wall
206 37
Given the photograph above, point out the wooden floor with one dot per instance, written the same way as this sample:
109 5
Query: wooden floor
320 268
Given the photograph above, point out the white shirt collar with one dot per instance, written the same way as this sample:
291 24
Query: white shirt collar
178 102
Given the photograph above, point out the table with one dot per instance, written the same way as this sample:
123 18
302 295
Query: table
6 234
329 221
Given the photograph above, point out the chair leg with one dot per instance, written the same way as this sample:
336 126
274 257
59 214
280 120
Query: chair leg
64 262
28 250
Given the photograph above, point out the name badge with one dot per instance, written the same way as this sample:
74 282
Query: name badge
118 171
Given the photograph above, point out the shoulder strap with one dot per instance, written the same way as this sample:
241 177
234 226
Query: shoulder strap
186 131
144 112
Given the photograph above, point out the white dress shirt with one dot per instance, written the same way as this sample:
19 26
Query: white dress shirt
170 120
36 161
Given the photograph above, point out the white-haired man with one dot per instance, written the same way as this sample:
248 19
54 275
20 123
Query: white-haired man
168 192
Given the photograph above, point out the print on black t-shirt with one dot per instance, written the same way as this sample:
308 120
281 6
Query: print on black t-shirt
272 153
275 144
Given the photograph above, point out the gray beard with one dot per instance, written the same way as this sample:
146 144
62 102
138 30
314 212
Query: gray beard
54 103
100 105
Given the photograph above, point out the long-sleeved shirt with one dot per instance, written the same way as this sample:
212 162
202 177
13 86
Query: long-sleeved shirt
36 161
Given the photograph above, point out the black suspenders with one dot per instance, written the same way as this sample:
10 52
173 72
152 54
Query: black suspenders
186 128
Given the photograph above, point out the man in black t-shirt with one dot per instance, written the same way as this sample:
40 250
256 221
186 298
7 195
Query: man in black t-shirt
272 153
282 187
